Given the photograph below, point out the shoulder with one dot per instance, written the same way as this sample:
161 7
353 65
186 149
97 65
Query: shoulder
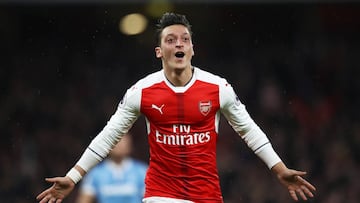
133 94
227 93
150 79
147 81
209 77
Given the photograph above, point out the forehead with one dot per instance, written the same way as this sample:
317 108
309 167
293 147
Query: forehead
175 30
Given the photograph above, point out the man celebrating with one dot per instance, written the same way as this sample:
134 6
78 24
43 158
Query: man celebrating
182 106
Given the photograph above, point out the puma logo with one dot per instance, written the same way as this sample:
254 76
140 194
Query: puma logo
158 108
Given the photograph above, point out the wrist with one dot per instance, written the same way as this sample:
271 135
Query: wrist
279 168
74 175
269 156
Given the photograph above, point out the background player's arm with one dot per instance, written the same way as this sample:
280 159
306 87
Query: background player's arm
85 198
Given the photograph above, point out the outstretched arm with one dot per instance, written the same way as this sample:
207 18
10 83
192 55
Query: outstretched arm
118 125
238 117
293 181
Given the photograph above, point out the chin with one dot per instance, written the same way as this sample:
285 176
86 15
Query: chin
180 68
181 65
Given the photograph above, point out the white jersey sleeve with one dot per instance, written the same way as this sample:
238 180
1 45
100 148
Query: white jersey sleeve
119 124
240 120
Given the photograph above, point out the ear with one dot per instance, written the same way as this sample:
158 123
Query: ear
158 52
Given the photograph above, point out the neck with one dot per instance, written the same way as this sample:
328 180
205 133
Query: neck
179 77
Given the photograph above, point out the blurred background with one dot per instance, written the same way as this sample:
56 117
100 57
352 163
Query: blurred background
65 66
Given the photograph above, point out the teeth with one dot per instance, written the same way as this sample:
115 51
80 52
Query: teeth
179 54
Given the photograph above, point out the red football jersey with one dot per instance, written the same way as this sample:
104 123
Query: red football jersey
182 139
182 126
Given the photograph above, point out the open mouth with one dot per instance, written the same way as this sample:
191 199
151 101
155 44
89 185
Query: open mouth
179 54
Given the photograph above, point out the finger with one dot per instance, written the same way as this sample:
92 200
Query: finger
301 193
58 200
300 173
45 199
53 200
42 195
51 180
293 195
307 191
306 183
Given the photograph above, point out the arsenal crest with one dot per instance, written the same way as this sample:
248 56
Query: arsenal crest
205 107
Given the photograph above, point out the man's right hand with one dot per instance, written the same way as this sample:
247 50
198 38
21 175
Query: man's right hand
62 186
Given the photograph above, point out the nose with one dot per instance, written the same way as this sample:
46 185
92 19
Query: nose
179 43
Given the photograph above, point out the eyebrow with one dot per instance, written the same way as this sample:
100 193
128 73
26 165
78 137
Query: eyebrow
172 34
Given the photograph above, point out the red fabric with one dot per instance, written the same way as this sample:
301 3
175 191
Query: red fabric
182 141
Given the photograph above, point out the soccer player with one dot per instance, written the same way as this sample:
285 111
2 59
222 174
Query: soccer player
182 106
119 178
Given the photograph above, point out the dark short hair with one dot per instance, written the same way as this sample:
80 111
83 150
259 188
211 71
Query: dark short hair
169 19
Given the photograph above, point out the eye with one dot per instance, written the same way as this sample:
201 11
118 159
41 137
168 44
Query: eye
170 40
186 39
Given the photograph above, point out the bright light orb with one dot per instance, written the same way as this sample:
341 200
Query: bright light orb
133 24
